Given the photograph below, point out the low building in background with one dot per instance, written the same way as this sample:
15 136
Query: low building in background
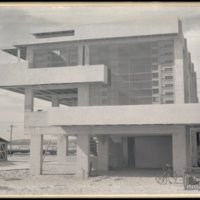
3 149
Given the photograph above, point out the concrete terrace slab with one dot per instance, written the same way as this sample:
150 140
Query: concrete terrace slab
179 114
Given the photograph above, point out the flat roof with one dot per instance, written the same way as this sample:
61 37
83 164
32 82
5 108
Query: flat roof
150 26
83 32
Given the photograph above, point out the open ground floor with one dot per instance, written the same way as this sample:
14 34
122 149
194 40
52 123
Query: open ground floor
100 149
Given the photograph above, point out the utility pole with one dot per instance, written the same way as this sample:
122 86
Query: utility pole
11 131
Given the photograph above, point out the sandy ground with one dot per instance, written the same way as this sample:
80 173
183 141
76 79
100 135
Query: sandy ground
120 182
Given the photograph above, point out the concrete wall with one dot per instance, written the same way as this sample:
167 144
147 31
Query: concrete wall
153 151
189 77
179 71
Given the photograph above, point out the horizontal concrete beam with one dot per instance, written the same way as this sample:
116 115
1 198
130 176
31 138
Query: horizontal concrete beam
54 130
60 96
169 114
124 130
20 75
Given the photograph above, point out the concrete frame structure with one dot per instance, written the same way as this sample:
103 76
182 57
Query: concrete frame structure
98 72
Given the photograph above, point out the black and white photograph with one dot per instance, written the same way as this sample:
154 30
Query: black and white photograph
100 99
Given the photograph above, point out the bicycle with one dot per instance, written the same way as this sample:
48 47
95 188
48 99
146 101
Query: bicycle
169 175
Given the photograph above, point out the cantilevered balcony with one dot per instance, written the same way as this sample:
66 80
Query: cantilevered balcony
182 114
19 75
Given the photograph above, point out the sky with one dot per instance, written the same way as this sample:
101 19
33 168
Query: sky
17 22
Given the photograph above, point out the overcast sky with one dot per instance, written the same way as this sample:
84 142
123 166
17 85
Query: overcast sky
17 22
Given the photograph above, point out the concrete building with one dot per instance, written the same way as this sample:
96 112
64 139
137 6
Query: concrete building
3 149
131 86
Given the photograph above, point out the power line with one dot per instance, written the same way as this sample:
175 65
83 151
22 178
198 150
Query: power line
11 132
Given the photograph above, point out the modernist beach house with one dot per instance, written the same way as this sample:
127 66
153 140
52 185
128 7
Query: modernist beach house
131 86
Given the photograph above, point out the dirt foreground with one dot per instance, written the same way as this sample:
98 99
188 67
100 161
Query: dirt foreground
115 183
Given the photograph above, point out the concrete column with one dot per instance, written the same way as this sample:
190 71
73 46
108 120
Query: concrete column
125 151
62 142
193 148
179 71
86 55
83 156
55 101
61 139
103 153
179 151
29 100
83 151
80 55
83 95
18 55
188 150
29 56
36 153
83 143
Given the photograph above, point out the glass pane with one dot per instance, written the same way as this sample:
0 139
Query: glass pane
57 57
140 85
131 68
140 77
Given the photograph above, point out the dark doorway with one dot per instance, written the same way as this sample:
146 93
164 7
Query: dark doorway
198 148
198 138
131 152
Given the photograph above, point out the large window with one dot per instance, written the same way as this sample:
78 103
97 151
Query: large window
134 68
56 57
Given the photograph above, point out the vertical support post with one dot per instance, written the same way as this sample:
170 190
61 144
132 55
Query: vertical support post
29 99
193 148
36 146
86 55
6 151
62 142
36 152
29 55
83 94
179 150
55 101
82 156
103 153
11 132
125 150
18 55
80 55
